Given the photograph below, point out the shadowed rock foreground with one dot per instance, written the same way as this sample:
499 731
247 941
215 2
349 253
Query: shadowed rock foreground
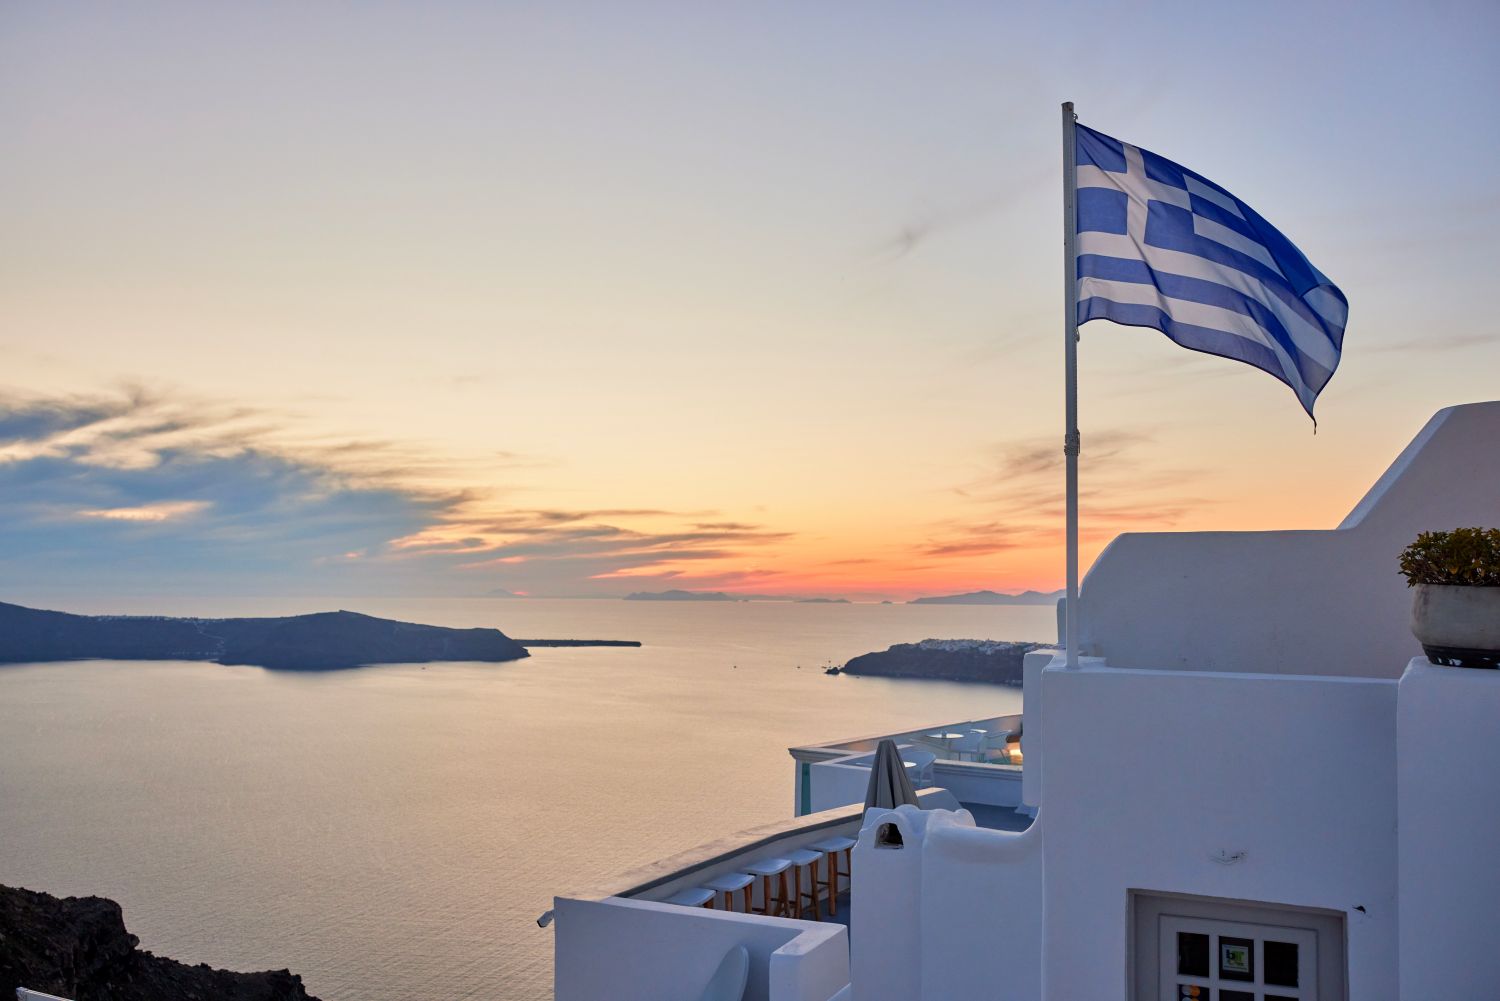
77 947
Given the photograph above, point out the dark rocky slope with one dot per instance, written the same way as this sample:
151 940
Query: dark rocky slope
299 642
988 661
77 947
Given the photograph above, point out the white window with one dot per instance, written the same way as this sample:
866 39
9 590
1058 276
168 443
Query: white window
1206 949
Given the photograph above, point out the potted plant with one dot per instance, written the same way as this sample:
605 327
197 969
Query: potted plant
1456 614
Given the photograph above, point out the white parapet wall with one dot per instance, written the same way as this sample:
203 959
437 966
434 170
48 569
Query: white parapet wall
832 784
1449 820
952 911
1036 723
634 950
1260 788
1299 602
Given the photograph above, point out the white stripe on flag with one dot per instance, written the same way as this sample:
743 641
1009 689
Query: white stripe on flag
1329 306
1199 314
1208 194
1219 233
1310 339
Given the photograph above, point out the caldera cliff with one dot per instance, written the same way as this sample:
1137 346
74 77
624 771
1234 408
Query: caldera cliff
320 641
77 947
989 661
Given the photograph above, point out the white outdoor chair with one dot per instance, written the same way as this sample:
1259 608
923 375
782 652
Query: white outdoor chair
729 980
779 891
693 896
731 882
833 848
922 766
970 746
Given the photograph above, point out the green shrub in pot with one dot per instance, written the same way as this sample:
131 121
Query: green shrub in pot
1456 610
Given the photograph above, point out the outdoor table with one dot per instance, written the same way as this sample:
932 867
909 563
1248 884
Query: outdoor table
947 737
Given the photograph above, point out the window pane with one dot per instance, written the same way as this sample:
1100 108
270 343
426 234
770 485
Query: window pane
1279 997
1236 996
1192 954
1281 963
1192 992
1237 958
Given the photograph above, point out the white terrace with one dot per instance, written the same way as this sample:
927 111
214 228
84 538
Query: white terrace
1253 789
978 761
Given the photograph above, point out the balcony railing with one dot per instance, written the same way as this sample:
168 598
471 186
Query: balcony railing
979 761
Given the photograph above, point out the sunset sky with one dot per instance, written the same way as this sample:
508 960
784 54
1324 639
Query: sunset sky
587 298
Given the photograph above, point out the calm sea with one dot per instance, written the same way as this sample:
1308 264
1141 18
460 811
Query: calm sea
393 832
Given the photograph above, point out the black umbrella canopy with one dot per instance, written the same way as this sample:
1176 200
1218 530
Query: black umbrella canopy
889 785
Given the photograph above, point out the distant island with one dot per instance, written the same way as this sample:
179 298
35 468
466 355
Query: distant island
994 662
77 947
321 641
680 595
528 644
991 598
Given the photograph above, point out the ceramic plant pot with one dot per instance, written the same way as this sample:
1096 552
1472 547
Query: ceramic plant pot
1458 626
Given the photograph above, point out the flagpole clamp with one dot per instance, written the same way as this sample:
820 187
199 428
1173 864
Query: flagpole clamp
1072 443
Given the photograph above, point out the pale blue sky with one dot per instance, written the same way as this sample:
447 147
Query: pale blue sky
789 268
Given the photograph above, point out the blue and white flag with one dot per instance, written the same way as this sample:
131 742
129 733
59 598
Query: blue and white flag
1160 246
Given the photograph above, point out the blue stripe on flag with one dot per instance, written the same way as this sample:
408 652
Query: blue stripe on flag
1208 293
1238 262
1206 339
1171 228
1217 213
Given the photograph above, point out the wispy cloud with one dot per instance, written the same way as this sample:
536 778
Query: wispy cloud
155 490
1442 342
1018 498
159 511
917 231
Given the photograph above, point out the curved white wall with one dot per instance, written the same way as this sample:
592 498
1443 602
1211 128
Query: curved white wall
1302 602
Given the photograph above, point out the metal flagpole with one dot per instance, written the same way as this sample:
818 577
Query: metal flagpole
1071 441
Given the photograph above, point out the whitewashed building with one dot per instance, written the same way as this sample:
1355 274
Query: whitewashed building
1254 788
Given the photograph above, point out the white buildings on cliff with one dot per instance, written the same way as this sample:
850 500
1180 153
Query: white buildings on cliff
1254 788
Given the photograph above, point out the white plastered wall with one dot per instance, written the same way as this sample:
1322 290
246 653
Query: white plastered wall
1449 796
1151 777
955 912
1297 602
633 950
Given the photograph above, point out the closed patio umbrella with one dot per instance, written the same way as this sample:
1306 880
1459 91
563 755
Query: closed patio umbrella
889 785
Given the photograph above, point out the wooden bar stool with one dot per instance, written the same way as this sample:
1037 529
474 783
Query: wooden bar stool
766 868
803 859
832 847
696 896
730 882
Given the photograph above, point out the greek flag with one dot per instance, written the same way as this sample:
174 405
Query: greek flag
1160 246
